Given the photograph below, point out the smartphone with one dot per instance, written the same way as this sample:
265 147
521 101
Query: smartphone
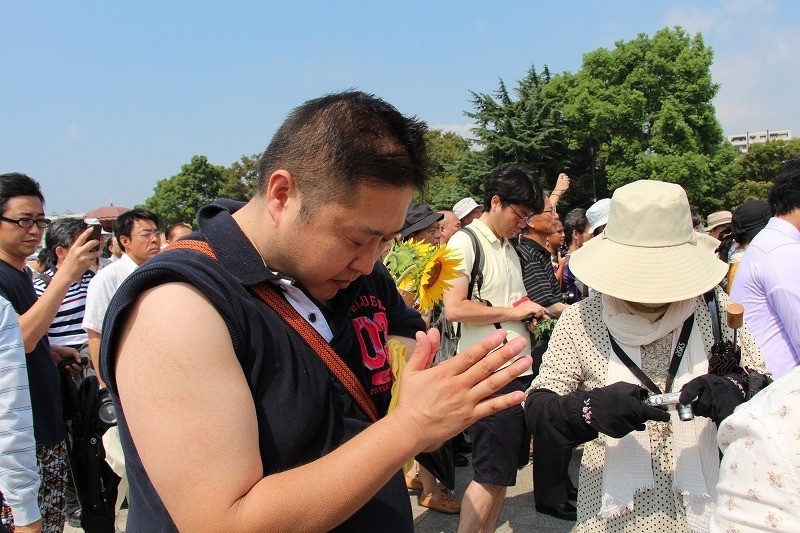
97 231
521 301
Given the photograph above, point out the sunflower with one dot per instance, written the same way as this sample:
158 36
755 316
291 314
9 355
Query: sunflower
403 262
440 267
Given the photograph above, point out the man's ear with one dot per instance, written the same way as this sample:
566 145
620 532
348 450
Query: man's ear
281 193
496 202
61 253
124 240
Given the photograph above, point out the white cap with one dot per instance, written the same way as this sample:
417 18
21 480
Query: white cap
597 214
464 207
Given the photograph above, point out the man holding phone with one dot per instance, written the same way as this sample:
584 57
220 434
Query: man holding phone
512 198
65 329
22 222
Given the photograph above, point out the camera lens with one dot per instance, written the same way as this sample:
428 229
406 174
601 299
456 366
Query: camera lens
685 412
107 413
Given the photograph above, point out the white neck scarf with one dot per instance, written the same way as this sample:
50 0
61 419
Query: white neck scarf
628 468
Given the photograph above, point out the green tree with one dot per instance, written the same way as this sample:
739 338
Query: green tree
241 179
747 190
527 130
446 150
644 111
762 162
177 199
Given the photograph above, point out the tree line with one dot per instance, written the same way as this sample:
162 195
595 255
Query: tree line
642 110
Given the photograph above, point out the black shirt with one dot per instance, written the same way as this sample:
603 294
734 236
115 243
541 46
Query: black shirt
44 382
302 412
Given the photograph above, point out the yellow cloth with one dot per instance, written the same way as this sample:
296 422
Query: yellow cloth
398 353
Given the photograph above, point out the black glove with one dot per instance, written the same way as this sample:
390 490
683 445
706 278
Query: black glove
756 382
616 409
714 397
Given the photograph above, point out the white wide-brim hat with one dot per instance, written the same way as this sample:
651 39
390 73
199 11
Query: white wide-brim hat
649 252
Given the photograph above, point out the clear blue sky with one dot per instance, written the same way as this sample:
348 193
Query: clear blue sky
101 99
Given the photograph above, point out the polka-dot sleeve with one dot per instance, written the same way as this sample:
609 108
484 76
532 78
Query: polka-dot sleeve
561 367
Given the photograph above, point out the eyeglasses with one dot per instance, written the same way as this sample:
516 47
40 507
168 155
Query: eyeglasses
150 235
26 222
525 219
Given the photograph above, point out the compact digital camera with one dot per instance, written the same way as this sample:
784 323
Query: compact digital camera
671 398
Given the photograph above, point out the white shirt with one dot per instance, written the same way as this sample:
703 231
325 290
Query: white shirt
759 478
102 289
19 474
502 281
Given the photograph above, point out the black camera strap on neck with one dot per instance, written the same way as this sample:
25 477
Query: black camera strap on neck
677 357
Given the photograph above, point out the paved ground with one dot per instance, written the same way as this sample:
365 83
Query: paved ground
518 513
123 516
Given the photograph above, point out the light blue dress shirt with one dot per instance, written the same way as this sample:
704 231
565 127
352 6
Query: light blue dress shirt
767 284
19 475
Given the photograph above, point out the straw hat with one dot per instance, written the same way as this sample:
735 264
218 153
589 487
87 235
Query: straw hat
718 218
649 253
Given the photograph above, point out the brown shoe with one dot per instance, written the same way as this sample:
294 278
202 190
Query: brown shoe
413 483
444 503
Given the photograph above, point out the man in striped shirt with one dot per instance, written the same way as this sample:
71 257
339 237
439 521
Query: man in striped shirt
65 330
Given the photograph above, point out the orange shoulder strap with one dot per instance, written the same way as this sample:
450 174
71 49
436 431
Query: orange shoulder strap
306 331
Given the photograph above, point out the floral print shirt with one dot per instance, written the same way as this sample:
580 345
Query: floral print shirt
759 479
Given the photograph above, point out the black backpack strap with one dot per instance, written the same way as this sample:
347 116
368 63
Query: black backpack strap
476 274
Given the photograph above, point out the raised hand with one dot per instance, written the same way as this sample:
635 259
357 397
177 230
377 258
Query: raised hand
80 256
438 402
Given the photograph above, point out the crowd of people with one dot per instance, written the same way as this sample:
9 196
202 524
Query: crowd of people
260 341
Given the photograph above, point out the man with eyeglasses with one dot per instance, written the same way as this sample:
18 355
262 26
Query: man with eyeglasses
500 442
22 223
139 238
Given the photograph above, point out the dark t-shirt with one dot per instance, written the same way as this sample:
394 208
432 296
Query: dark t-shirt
302 411
45 386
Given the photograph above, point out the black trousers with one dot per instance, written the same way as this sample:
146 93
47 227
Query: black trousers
551 479
550 462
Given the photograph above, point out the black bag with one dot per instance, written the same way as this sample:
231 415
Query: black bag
448 345
441 464
95 482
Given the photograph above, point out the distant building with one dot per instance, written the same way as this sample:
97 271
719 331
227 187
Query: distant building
742 141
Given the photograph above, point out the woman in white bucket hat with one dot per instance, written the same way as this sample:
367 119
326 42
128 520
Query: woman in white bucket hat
649 327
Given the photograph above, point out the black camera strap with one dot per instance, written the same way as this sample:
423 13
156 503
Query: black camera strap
677 357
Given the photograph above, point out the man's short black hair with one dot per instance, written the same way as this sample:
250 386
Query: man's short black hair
63 232
333 144
514 185
123 225
784 196
16 184
575 220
